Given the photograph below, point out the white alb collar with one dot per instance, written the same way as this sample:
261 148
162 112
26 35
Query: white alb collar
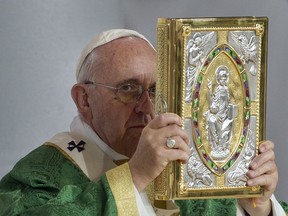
80 127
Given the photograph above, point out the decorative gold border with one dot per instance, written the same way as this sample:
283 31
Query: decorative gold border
123 190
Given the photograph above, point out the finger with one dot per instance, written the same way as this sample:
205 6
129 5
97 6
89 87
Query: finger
262 158
266 146
177 154
174 131
165 119
267 181
171 131
267 168
184 146
180 144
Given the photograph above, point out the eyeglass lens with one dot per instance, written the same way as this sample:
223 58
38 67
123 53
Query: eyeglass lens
130 93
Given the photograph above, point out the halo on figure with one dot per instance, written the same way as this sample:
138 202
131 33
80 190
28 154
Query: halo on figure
222 70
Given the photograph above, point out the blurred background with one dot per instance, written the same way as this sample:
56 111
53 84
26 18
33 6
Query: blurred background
40 42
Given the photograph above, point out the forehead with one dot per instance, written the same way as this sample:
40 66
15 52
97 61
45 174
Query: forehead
128 58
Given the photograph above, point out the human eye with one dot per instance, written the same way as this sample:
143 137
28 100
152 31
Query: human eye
152 90
128 87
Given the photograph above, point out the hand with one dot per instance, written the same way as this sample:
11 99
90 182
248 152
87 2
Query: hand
263 171
152 155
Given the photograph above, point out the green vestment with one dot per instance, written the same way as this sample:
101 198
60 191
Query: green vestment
47 182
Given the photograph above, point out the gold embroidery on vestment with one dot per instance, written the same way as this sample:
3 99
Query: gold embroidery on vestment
121 184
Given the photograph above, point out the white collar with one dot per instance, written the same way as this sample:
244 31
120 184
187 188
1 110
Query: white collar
80 127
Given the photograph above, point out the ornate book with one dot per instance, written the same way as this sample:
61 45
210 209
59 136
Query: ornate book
212 73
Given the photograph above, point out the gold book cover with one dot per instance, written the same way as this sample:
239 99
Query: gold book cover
212 73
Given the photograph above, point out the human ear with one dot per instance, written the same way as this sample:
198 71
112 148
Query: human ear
80 98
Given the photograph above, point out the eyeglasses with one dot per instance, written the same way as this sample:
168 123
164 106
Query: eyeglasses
128 92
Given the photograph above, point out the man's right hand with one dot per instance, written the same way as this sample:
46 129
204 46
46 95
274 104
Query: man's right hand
152 155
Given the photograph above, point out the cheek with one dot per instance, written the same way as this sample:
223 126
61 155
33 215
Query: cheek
115 123
110 121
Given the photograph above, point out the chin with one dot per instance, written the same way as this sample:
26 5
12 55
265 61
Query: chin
132 143
134 132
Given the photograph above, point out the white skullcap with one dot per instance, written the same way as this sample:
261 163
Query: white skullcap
104 38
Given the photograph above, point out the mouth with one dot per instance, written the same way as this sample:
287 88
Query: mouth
140 126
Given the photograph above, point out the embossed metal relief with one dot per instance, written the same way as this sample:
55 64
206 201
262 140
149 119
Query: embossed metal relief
212 72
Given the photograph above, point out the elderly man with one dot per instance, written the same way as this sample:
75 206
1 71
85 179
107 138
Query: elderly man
116 146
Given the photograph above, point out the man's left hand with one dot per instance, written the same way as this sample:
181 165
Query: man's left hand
263 171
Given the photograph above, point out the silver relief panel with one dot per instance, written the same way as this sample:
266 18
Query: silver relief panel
196 174
246 44
198 46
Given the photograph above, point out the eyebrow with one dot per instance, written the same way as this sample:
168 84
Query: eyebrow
128 81
133 81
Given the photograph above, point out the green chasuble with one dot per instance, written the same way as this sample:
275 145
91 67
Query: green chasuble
47 182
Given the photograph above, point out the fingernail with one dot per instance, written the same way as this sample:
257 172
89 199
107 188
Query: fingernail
262 149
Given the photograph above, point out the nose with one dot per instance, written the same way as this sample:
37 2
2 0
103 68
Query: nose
144 104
